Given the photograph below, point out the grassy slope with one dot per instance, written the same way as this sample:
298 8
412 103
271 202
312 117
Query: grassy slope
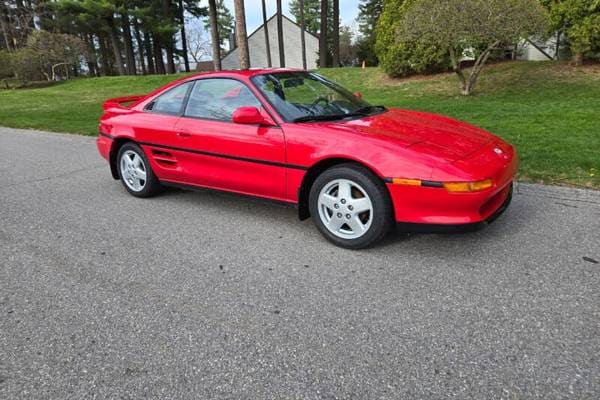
550 111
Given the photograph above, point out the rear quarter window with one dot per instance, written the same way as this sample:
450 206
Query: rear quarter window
170 102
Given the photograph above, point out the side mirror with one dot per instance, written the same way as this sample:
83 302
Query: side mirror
358 95
249 116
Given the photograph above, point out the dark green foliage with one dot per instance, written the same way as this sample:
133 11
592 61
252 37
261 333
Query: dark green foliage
369 12
120 35
579 21
225 22
312 14
469 28
400 58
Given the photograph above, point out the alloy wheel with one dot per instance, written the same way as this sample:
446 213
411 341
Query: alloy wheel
345 209
133 170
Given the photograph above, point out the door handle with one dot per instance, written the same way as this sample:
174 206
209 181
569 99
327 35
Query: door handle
184 134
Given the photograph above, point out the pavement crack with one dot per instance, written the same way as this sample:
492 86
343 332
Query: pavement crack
49 178
562 198
566 205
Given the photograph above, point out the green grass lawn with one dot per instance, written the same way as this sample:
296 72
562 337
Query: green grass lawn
550 111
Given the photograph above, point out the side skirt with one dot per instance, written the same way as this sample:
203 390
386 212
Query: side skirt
194 188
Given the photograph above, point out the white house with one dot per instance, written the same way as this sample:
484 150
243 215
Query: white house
291 42
537 50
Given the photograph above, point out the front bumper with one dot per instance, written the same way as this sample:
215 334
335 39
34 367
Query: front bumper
456 228
437 206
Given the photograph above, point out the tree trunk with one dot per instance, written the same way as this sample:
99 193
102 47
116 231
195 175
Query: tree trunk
105 60
184 48
457 69
214 33
267 45
302 35
114 41
323 35
48 78
53 69
148 50
140 43
170 56
336 33
92 57
129 56
4 26
158 56
280 43
44 15
477 68
25 23
240 34
169 45
577 59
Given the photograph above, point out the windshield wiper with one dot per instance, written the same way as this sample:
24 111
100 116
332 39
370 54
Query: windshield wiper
308 118
366 110
360 112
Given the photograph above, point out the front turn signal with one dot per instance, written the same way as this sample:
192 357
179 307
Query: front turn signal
464 187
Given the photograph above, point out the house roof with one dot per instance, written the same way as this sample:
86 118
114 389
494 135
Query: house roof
239 72
260 27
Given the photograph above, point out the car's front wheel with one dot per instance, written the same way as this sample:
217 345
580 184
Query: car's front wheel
135 172
351 206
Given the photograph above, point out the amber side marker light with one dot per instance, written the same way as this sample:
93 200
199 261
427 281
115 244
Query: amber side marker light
454 187
409 182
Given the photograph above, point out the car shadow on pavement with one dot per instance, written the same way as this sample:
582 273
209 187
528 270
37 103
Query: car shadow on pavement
518 216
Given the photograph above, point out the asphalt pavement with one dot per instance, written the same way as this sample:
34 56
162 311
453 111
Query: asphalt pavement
199 295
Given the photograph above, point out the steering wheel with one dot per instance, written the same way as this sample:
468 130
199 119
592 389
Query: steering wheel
320 99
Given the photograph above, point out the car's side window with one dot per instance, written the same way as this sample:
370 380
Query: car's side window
171 101
218 98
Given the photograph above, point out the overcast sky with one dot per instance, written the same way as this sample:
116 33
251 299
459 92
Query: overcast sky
348 11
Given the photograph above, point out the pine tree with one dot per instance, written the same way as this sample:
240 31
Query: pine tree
312 14
312 21
225 23
368 16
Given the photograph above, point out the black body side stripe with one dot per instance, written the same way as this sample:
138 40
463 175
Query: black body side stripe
220 155
230 157
432 184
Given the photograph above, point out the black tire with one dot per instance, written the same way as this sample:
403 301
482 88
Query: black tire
382 218
152 186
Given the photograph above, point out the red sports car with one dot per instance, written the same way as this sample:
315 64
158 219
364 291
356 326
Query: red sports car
296 137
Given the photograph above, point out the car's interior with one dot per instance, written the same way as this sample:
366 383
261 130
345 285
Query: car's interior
296 95
213 104
171 101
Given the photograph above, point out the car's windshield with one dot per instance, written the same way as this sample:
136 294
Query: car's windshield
306 96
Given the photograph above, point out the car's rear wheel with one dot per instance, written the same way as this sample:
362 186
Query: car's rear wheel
351 206
135 172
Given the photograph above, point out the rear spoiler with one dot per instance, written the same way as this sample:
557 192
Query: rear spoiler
122 102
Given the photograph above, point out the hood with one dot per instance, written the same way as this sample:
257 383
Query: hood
435 135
